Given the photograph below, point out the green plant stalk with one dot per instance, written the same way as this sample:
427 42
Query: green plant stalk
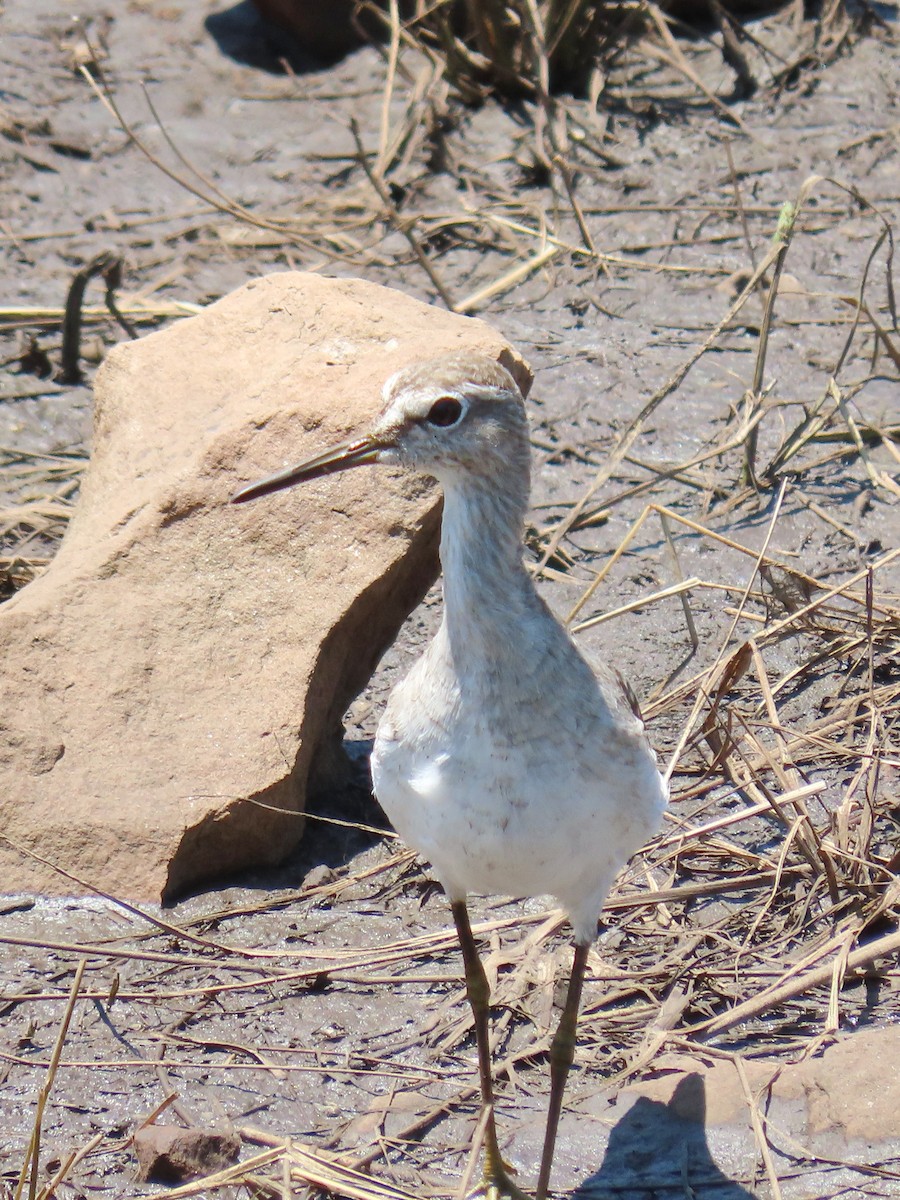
783 233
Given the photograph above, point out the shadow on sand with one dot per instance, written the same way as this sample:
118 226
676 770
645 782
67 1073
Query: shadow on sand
659 1151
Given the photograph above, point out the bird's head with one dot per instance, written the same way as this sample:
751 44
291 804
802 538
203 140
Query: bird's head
458 417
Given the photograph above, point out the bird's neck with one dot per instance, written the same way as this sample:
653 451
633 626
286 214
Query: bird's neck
487 590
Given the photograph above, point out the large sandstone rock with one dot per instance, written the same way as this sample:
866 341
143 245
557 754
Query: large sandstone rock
183 657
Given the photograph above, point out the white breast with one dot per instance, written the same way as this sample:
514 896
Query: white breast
503 816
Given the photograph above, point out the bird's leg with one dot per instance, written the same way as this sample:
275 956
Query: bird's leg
562 1051
496 1181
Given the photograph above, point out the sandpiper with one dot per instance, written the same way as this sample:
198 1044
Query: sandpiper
503 758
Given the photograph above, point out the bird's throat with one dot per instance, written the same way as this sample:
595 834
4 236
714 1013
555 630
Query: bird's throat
487 590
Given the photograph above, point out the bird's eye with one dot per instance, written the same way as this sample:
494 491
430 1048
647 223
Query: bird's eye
445 412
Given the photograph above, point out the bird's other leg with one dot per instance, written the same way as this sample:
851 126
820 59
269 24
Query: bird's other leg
496 1181
562 1051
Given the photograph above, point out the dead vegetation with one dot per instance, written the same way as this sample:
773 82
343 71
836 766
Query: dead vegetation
543 49
763 919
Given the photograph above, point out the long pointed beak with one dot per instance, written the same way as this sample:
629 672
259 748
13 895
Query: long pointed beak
338 458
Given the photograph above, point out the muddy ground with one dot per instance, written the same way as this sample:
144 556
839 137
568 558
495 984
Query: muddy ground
322 1001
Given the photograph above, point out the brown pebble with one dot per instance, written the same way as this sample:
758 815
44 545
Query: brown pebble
170 1154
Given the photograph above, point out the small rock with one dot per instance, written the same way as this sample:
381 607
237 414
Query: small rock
319 876
170 1154
326 31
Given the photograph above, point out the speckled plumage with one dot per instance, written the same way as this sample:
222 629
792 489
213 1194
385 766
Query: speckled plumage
503 758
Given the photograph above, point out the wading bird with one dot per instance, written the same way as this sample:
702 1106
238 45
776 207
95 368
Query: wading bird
503 758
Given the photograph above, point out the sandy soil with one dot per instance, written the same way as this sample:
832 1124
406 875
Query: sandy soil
323 1001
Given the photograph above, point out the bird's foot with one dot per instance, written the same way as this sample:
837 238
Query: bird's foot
497 1185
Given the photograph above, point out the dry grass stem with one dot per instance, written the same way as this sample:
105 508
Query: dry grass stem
31 1165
